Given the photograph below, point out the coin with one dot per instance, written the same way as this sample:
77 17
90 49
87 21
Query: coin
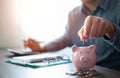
71 72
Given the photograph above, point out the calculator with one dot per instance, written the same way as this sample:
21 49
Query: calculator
21 52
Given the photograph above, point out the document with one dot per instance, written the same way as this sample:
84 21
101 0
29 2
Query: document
43 59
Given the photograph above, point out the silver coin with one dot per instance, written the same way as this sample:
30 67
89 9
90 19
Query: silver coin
72 72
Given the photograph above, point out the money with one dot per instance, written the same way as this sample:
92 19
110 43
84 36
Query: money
83 72
71 72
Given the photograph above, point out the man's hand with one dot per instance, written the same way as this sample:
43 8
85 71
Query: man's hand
96 27
34 45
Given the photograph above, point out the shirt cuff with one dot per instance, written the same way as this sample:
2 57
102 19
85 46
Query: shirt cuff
115 41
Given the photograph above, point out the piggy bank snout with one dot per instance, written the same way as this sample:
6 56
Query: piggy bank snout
84 59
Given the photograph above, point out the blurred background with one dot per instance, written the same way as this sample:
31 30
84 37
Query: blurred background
43 20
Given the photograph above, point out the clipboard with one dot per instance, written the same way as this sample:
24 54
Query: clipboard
39 61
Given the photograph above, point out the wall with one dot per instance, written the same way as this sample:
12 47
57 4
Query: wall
20 19
10 35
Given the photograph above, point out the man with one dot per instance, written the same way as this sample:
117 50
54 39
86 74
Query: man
96 22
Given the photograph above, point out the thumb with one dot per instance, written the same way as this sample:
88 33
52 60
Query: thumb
81 33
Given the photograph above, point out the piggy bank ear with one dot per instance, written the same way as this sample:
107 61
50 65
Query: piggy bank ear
74 48
92 47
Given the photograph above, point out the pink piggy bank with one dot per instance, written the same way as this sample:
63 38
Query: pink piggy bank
84 57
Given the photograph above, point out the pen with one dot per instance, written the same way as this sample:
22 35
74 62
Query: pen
43 59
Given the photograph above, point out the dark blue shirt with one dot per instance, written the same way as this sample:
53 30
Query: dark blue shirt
108 51
111 48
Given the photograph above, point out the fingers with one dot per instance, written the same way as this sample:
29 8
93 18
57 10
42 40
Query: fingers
25 44
93 27
30 42
87 27
80 34
85 30
101 28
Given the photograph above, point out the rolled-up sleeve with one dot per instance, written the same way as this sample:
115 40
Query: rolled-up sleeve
115 41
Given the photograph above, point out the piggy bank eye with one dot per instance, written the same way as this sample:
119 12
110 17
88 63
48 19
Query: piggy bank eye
80 51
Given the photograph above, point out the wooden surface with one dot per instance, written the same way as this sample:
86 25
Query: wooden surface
59 71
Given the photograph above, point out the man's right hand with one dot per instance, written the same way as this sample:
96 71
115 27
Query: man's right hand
96 27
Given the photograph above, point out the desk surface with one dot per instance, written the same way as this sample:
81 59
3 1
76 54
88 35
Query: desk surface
59 71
